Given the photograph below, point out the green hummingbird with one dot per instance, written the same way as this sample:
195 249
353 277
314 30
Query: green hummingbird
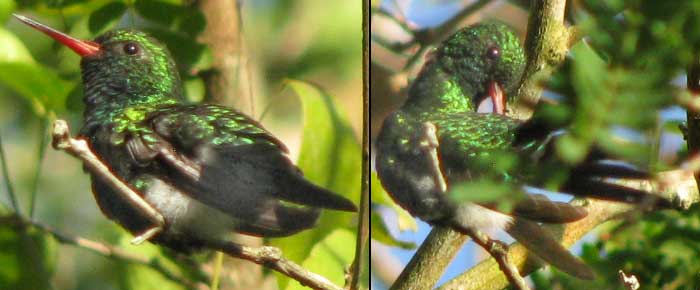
460 97
208 170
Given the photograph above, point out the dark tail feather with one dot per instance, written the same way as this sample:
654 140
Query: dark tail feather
282 221
610 169
600 189
541 242
538 207
302 191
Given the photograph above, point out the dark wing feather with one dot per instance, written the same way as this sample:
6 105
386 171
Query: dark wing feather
229 162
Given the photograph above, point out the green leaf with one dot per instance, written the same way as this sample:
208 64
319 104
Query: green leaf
18 71
381 233
28 258
330 157
381 197
482 190
40 85
136 277
328 259
105 17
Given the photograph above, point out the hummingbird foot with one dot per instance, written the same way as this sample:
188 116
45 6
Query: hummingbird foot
147 235
499 251
429 142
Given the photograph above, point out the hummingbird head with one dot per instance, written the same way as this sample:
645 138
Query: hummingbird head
485 59
121 65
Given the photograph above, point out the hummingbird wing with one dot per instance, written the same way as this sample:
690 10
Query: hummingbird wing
229 162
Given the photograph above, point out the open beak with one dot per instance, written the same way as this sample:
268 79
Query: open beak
498 98
81 47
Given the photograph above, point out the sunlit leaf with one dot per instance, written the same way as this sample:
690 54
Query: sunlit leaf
330 157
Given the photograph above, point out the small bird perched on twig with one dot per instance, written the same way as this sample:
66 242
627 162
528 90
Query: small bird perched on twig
207 170
452 129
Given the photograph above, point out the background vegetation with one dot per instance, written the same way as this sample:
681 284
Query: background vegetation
621 87
269 55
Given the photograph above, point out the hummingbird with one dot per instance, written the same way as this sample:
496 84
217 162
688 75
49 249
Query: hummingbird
208 170
460 98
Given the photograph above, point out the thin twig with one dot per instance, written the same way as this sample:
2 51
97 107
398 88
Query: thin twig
499 251
105 250
269 257
426 37
43 140
363 221
80 149
6 176
272 258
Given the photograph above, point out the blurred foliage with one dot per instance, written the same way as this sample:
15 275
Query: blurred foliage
621 78
613 93
40 80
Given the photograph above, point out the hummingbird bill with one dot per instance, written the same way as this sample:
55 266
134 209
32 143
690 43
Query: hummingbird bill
208 170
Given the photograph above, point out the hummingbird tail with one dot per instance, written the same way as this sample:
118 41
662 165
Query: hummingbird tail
541 242
302 191
538 207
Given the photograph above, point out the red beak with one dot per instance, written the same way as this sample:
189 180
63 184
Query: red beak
81 47
498 98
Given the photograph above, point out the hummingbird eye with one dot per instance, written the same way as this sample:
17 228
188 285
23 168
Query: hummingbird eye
493 53
131 48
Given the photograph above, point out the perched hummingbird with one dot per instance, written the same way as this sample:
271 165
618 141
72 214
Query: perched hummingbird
207 169
460 95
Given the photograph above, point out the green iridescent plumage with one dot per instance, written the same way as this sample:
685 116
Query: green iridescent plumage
450 98
208 170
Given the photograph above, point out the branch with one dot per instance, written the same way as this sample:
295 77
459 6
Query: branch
269 257
692 134
679 186
228 82
272 258
363 220
426 37
105 250
546 45
431 259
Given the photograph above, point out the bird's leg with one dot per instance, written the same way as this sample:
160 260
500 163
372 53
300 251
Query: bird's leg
429 143
497 249
80 149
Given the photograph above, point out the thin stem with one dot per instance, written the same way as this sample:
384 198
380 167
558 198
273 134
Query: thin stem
105 250
363 221
8 182
41 153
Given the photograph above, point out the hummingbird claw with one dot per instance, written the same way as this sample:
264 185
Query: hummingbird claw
147 235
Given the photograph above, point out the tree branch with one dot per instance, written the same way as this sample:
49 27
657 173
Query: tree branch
426 37
678 185
269 257
546 45
228 82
